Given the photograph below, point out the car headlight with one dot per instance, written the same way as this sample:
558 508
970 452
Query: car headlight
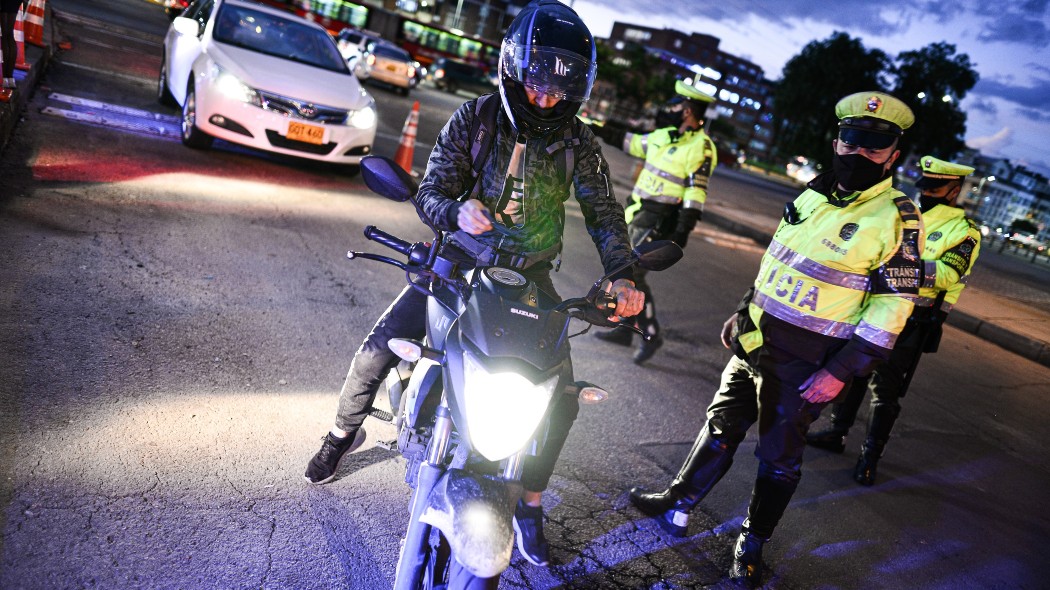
502 409
364 118
231 86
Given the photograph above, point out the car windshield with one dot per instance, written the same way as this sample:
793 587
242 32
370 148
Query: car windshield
274 35
391 52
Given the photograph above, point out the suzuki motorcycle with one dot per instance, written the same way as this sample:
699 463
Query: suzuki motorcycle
471 401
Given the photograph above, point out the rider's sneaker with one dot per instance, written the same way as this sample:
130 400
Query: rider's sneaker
323 466
528 524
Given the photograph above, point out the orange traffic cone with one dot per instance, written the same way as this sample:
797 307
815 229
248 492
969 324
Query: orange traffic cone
403 157
20 63
34 26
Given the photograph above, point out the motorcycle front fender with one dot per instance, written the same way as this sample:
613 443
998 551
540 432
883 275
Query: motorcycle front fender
474 513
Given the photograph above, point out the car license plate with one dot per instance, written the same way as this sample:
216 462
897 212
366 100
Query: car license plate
305 133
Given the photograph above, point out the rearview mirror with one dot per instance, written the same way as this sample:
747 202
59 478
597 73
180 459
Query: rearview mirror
386 178
658 255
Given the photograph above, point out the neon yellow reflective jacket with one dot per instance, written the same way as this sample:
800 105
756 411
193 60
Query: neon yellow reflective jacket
842 268
952 245
677 167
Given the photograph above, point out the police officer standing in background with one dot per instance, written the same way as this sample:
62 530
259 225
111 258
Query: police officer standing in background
833 291
952 245
668 198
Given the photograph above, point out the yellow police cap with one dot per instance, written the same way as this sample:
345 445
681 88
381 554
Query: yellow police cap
690 92
866 118
937 172
937 168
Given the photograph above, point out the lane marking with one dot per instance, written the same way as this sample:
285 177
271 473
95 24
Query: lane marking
157 128
114 108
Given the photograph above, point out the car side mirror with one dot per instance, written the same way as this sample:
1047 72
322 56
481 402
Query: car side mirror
186 26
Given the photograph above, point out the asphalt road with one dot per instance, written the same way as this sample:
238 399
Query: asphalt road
175 325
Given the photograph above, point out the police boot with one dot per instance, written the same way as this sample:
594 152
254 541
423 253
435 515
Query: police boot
843 414
647 323
648 348
769 498
746 570
707 462
879 425
621 336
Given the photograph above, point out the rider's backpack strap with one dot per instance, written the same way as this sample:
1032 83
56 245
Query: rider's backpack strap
482 132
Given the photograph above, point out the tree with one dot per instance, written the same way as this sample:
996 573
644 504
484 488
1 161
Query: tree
932 81
638 79
813 81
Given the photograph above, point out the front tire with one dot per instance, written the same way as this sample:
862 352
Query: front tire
192 136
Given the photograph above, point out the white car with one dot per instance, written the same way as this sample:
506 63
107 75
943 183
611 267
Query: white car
266 79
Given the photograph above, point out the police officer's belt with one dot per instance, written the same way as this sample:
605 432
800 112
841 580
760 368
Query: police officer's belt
487 255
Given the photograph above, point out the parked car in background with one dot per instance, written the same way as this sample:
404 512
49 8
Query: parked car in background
174 8
451 76
264 78
353 43
801 169
1028 241
387 63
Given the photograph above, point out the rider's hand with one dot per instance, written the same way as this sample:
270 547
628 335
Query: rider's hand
472 219
821 387
629 301
727 331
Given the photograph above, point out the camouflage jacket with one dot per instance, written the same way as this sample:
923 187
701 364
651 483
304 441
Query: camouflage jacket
449 180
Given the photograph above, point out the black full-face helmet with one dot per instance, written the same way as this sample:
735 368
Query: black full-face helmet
548 49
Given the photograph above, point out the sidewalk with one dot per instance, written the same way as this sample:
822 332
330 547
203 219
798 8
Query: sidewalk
1010 322
37 58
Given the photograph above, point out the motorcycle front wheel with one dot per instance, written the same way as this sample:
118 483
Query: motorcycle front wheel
442 562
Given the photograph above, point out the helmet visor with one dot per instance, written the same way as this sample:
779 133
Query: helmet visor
555 72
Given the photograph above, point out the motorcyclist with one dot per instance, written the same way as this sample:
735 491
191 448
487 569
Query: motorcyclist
668 198
547 67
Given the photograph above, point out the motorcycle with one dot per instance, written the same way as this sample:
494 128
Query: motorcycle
471 401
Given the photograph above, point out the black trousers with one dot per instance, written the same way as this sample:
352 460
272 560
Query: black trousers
406 318
887 384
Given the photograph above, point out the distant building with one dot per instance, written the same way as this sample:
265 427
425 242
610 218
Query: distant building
743 95
1000 194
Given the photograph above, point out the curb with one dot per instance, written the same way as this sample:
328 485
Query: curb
1018 344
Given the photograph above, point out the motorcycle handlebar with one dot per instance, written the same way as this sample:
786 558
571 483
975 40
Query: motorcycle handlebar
390 241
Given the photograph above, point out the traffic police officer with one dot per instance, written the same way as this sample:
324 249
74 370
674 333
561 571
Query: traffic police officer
833 291
668 197
952 244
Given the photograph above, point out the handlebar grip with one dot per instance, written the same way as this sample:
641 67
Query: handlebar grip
393 242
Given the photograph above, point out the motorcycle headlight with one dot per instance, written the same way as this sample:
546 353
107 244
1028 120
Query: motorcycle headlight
364 118
502 409
231 87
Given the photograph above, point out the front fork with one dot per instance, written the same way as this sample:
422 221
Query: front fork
412 562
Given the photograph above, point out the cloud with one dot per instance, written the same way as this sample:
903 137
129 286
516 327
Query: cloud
870 17
984 106
992 143
1015 28
1034 97
1033 115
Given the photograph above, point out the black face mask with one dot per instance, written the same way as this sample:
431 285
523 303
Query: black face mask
854 172
927 202
668 118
